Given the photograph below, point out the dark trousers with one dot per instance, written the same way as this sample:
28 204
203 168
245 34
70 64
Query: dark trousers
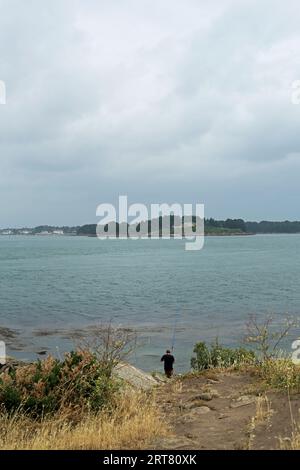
169 372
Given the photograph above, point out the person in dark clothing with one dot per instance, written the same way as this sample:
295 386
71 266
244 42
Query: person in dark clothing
168 359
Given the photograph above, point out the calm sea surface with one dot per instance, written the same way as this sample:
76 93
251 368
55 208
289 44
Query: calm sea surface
50 286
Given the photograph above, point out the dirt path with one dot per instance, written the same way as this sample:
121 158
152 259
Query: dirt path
224 411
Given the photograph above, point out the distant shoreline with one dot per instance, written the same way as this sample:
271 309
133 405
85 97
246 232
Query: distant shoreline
212 234
171 225
230 234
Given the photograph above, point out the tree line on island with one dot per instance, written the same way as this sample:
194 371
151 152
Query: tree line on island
214 226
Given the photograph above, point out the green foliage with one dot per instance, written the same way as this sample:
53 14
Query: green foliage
90 230
10 397
281 374
228 225
79 381
218 356
273 227
221 231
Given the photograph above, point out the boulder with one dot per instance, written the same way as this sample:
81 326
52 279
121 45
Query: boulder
135 377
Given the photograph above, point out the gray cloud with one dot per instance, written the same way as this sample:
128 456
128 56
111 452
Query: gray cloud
164 101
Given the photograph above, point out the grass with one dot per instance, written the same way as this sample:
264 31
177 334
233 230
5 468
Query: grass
262 414
90 409
263 409
291 443
76 402
281 374
133 424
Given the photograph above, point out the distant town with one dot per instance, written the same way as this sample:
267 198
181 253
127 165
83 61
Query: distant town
41 230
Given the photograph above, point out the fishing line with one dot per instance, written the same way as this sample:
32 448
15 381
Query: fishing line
178 317
174 335
175 328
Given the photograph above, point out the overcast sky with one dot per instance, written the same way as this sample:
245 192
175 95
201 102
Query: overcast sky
162 100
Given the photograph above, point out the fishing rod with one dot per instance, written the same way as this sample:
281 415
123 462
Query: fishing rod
175 327
174 334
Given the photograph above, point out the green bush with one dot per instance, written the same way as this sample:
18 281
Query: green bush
281 374
80 381
218 356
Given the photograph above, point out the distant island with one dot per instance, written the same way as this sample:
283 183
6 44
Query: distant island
212 227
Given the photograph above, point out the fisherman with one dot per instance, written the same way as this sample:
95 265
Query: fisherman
168 359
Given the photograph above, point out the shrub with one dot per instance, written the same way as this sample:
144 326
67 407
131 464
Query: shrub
281 374
80 381
218 356
266 336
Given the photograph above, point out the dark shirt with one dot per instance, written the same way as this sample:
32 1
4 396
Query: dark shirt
169 360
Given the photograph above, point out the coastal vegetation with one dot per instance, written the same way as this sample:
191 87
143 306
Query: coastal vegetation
212 227
273 227
131 423
264 355
217 356
50 386
80 402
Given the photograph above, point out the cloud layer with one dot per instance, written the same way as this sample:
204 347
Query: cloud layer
162 101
